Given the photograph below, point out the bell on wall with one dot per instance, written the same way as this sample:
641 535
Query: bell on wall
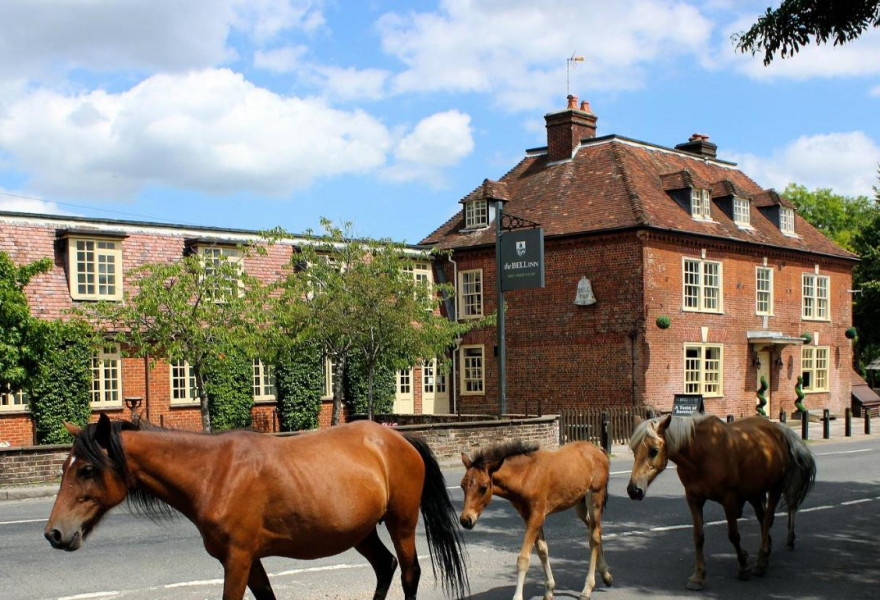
584 295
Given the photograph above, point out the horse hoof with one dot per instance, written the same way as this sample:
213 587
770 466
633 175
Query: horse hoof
584 597
695 585
607 579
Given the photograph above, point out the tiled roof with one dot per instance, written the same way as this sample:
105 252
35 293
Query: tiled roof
615 182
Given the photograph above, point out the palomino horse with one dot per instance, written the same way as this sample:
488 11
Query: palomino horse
752 460
539 483
253 495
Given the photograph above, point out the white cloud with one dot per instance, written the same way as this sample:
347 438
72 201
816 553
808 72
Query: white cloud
12 201
845 162
280 60
209 130
56 36
517 48
875 91
441 140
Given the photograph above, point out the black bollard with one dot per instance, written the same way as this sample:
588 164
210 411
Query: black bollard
651 414
805 425
606 433
867 422
783 418
826 424
730 418
847 422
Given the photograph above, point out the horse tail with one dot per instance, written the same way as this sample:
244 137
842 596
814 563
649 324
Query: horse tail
442 528
801 472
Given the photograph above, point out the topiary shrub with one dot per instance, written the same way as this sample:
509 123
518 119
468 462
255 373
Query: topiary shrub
229 384
356 382
299 381
808 337
663 322
850 333
63 389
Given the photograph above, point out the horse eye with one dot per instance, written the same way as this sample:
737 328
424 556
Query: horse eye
484 489
86 472
653 452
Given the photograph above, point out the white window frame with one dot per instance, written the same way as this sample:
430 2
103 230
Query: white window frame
107 378
184 391
815 368
701 204
263 382
473 370
95 268
214 255
786 221
403 384
704 374
476 214
815 301
764 291
741 216
434 383
14 402
329 367
470 291
702 285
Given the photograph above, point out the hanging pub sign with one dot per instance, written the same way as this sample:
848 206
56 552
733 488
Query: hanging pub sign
687 405
522 259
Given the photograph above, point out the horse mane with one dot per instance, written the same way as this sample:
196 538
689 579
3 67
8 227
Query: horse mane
500 451
678 435
87 446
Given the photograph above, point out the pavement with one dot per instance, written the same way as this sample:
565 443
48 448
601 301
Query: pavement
836 430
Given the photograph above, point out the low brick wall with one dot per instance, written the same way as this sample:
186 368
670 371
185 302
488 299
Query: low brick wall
449 440
31 464
42 464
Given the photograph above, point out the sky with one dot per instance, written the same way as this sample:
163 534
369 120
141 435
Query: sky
254 114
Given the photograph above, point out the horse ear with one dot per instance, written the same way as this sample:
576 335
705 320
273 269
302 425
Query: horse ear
663 424
466 461
72 428
102 432
495 466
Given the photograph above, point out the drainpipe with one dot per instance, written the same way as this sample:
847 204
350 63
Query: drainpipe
633 335
453 394
147 383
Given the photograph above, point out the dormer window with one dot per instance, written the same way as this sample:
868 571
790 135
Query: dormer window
741 212
476 214
786 220
700 200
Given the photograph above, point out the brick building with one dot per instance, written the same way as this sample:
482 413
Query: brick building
651 232
91 258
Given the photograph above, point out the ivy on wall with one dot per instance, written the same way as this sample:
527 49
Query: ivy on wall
299 381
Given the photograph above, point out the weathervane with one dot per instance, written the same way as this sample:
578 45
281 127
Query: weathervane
569 65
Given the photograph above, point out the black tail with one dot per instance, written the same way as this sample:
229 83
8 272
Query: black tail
441 525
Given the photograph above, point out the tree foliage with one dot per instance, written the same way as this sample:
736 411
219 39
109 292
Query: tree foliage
299 381
195 310
22 337
796 22
360 299
62 390
866 302
839 217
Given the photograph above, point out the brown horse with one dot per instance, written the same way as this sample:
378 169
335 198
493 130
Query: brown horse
539 483
253 495
752 460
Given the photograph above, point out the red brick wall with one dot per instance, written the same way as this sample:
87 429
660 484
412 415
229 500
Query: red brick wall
665 361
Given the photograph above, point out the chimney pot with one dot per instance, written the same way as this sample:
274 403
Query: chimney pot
585 107
572 102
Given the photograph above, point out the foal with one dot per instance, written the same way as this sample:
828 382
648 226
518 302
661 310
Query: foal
539 483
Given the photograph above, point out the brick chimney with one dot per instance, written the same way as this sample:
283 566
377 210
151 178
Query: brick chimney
566 129
700 145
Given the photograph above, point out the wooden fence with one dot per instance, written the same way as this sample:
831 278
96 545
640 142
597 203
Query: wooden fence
586 424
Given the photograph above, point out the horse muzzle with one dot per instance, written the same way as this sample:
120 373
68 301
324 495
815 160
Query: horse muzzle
468 521
60 541
635 492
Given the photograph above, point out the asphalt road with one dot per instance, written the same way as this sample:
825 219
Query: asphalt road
648 547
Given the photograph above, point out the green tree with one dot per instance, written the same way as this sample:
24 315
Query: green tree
360 298
299 381
62 390
194 309
840 218
866 301
22 337
796 22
